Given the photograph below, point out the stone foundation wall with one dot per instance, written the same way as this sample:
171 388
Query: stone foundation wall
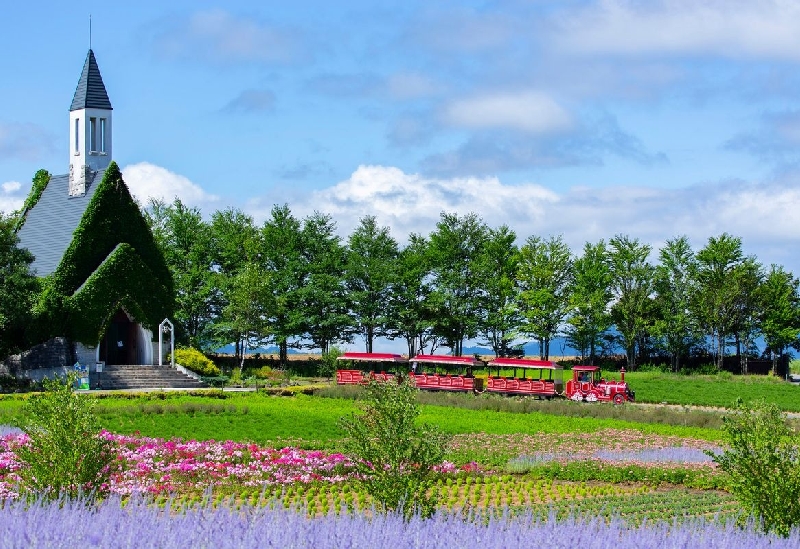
55 354
87 356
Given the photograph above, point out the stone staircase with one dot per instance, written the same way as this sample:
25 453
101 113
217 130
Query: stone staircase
142 377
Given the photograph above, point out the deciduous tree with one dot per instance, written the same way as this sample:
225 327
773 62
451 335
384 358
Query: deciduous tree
714 302
18 289
322 297
590 294
185 242
779 297
545 276
370 273
282 259
410 310
632 289
674 324
458 282
235 248
497 263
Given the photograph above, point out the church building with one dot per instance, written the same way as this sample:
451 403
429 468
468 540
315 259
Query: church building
105 285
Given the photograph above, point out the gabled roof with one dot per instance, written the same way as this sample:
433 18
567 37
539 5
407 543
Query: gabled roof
49 225
91 92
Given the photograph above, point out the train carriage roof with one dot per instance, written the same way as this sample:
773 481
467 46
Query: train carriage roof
373 357
446 359
525 363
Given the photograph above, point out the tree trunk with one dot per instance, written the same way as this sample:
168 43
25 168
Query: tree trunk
283 352
369 337
630 352
720 351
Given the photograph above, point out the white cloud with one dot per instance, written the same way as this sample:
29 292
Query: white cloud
11 186
730 28
11 197
531 112
220 37
763 215
146 181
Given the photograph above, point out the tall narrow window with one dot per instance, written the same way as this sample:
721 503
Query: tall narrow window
77 135
103 135
93 134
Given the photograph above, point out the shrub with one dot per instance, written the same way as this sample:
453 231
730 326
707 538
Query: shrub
394 456
327 368
196 361
763 465
65 456
265 372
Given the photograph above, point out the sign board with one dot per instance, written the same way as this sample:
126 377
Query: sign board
82 376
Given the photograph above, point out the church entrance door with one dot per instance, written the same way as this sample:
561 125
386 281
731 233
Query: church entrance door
119 344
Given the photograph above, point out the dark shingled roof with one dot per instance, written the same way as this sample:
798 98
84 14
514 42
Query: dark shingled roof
49 225
91 92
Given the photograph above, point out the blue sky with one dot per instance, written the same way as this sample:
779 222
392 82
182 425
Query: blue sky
581 118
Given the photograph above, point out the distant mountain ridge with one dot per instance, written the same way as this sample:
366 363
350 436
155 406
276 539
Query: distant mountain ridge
558 347
230 349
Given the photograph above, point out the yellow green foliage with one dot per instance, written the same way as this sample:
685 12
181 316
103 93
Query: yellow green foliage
196 361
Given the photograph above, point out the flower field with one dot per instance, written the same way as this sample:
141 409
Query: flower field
320 482
531 476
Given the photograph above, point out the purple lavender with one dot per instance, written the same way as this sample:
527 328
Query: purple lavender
644 456
6 430
674 454
142 526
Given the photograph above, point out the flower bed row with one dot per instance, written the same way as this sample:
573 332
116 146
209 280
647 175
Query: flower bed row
155 465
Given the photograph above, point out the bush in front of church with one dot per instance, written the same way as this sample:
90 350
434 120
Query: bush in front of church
194 360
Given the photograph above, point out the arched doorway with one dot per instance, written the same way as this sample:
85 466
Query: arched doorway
119 345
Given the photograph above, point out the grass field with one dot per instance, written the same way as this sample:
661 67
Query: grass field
313 421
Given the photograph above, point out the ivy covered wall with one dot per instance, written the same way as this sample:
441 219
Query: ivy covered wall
39 183
111 263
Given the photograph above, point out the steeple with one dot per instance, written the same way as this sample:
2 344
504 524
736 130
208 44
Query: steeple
91 92
90 127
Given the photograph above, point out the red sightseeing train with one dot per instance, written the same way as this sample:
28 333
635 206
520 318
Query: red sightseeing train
445 373
369 361
540 378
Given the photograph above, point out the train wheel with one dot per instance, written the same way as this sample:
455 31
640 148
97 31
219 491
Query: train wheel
619 399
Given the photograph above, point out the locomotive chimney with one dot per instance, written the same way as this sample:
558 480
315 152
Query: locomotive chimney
622 374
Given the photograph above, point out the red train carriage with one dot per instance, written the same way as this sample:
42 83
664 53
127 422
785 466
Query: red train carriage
588 385
541 378
445 373
366 366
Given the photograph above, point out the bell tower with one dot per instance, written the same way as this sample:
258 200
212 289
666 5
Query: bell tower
89 128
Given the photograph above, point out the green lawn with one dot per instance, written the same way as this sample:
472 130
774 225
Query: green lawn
719 391
313 421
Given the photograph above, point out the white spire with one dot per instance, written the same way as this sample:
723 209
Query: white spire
90 127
